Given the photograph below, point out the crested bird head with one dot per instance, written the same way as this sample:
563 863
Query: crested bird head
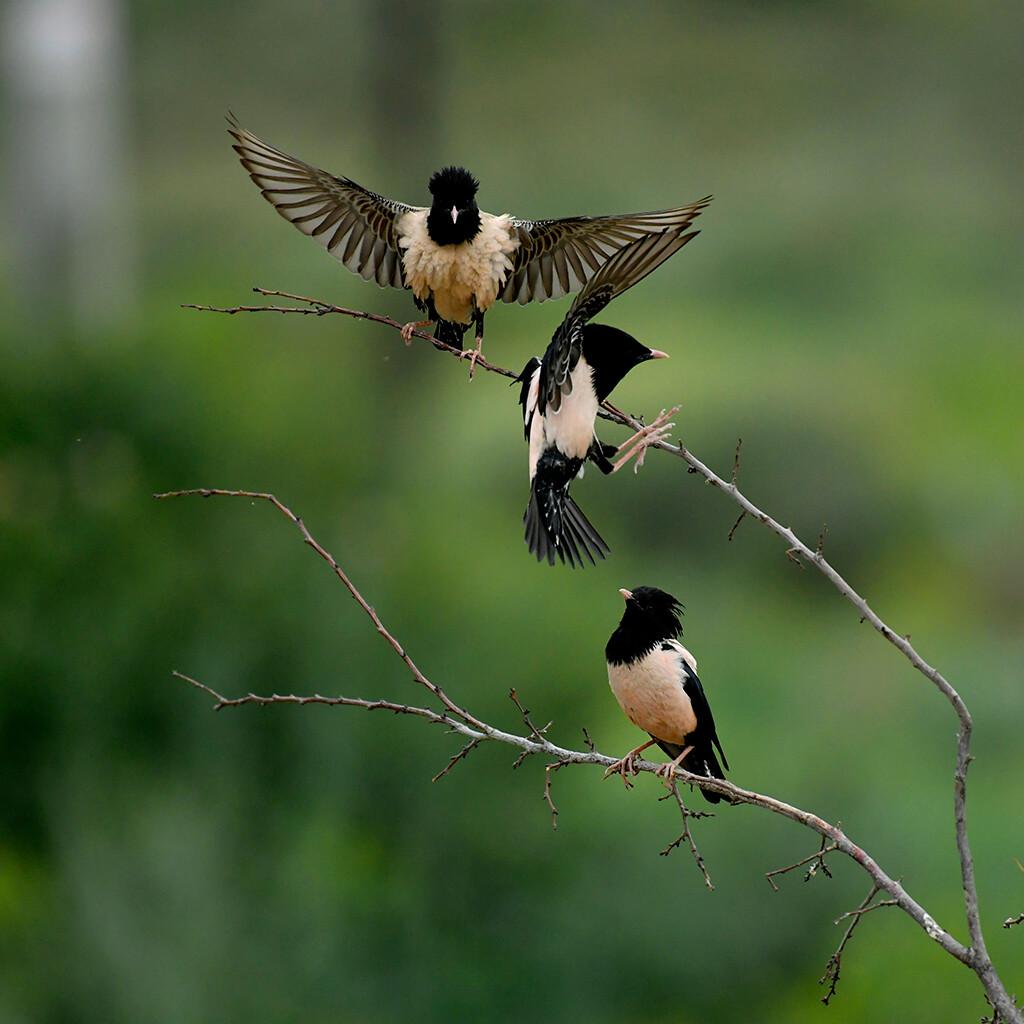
611 354
454 216
651 616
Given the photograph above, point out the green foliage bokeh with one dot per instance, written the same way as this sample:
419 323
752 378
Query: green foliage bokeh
852 309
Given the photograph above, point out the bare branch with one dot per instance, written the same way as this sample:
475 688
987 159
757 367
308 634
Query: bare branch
553 767
835 961
1012 922
865 910
735 526
796 551
317 307
456 758
686 835
316 698
536 733
816 860
462 721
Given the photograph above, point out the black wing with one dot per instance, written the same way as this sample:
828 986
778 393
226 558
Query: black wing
524 380
626 268
699 702
355 225
556 257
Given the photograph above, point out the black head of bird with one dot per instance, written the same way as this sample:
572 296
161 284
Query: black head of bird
611 354
454 216
651 616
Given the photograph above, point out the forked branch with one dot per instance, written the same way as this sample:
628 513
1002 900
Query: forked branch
974 956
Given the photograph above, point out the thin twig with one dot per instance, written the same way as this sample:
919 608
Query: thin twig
865 910
316 698
816 860
548 769
537 733
1012 922
735 526
317 307
835 961
456 758
687 836
418 676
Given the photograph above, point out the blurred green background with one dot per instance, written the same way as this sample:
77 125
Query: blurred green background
852 309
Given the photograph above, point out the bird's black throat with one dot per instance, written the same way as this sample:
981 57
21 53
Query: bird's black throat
650 618
453 188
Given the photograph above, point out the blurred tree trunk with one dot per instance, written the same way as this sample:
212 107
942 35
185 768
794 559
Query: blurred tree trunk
404 66
71 210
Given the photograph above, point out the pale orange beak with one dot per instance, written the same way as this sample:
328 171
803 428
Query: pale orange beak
626 594
455 214
658 354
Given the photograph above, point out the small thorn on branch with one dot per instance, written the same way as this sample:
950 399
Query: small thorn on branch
1012 922
793 555
820 549
587 740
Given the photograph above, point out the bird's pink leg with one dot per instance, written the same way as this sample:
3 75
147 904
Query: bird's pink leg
637 445
412 325
667 771
625 764
473 355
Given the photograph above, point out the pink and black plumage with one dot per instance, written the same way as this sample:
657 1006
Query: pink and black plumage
654 679
561 395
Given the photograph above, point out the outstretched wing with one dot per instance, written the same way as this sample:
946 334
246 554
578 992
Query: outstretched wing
556 257
625 269
355 225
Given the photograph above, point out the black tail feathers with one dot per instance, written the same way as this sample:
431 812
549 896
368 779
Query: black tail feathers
700 761
556 526
704 762
450 333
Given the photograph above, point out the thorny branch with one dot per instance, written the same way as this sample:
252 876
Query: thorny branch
974 956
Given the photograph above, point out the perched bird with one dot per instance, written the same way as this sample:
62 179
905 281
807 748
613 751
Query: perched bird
654 679
562 392
457 259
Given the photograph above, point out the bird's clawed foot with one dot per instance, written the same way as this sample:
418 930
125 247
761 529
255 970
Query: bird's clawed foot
626 766
412 325
636 446
667 771
473 355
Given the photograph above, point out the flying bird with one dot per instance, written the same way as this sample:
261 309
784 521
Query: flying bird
561 394
456 259
654 679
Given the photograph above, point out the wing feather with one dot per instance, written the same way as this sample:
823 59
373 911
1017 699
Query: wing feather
625 269
356 226
572 242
